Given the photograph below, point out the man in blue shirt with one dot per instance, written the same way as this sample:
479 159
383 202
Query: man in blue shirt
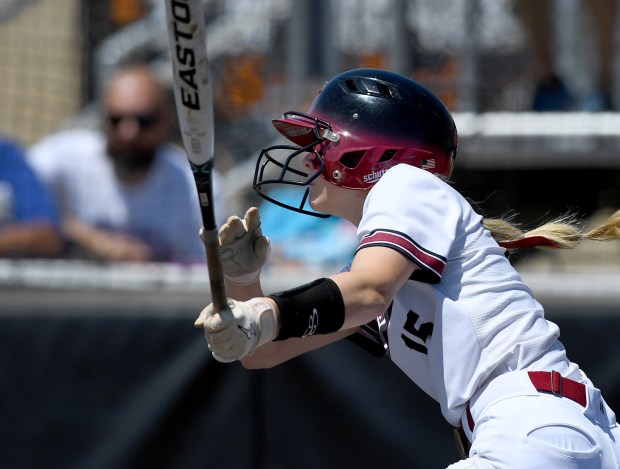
28 216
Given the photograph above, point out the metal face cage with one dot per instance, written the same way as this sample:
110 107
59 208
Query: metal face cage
287 164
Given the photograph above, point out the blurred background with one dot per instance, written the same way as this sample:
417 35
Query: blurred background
101 365
481 57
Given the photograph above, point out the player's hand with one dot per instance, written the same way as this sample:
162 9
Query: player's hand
237 330
244 249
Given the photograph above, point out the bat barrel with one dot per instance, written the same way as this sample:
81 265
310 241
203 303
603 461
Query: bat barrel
194 101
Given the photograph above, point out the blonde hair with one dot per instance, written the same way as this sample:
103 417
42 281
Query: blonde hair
565 232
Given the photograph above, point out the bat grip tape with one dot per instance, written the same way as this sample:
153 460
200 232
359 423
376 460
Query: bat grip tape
314 308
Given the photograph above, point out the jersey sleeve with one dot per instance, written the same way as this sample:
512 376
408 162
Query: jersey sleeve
413 212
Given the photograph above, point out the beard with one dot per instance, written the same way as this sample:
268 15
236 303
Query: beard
131 160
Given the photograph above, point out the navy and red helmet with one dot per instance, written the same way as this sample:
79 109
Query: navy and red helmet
360 124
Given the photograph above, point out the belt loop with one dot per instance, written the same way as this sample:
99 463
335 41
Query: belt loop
556 383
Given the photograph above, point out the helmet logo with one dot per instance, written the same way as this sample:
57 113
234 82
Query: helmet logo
374 176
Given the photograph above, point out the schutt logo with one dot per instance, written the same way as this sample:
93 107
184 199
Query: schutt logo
374 176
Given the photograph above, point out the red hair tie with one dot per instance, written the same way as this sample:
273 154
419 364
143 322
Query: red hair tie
529 242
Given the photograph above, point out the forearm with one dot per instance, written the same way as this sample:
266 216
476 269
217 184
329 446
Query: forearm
376 275
30 240
362 301
83 235
105 244
277 352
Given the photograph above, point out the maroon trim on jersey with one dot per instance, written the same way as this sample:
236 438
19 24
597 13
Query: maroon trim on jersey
402 243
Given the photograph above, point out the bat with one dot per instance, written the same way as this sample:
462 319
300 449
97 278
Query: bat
193 96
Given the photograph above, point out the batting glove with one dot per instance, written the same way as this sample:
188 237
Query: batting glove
243 247
237 330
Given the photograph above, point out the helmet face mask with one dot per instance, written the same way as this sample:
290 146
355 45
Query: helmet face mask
286 164
362 123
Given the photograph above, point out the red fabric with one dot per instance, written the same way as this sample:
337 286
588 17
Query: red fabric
549 381
552 381
529 242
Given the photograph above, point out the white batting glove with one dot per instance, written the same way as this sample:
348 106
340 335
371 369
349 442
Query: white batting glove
237 330
243 247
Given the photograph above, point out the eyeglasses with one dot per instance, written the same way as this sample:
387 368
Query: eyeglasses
144 121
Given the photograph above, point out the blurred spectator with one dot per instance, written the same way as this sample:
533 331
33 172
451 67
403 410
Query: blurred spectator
28 217
126 193
305 240
552 93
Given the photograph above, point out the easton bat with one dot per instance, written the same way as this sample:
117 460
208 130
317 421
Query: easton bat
194 102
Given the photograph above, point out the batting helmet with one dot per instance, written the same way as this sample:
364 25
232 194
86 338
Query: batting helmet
361 123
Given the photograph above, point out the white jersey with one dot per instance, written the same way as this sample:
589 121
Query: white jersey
466 316
162 210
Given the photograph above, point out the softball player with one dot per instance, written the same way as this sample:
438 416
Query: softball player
429 285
